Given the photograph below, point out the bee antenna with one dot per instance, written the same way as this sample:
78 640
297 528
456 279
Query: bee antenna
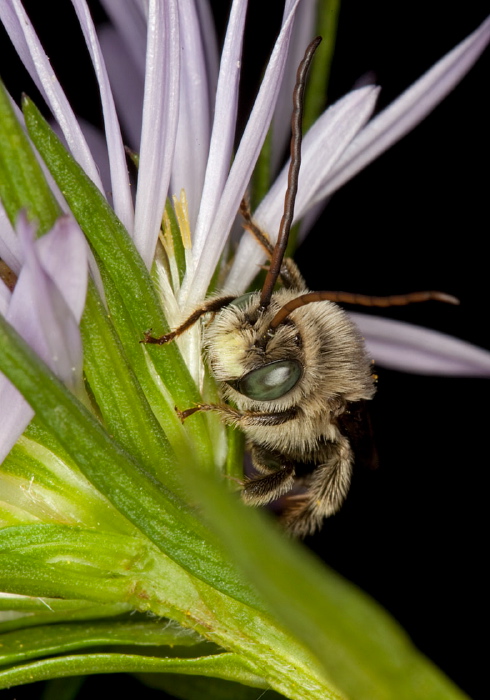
292 188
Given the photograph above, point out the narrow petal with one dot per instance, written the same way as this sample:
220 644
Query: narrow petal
223 133
409 348
15 414
9 245
46 313
194 127
208 251
127 83
63 254
329 136
5 296
121 193
210 44
32 54
124 48
408 110
303 32
39 308
160 117
130 21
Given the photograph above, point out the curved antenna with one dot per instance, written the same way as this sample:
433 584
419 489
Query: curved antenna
290 197
359 299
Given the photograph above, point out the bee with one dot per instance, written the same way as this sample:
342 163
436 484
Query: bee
292 369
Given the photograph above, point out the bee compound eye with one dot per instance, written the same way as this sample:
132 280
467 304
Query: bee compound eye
270 381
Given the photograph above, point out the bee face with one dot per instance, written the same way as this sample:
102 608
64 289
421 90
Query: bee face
263 370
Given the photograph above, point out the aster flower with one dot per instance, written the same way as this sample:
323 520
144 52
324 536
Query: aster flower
118 510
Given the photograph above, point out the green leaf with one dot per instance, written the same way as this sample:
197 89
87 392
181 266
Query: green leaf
70 562
22 182
183 439
40 483
227 666
123 405
133 302
56 560
52 610
47 640
364 652
113 246
155 510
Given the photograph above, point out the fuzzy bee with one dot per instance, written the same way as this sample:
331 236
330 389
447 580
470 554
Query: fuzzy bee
292 368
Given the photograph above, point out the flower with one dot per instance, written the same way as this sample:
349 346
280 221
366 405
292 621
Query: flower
129 535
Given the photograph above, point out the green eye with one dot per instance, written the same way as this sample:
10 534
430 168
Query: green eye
270 381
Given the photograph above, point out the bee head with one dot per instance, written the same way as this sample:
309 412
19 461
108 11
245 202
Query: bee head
246 357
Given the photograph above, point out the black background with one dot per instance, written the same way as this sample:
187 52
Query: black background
411 532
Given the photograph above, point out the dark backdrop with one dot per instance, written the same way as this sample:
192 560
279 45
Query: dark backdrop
410 533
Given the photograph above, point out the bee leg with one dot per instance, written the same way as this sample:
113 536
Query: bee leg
240 419
278 478
326 489
230 415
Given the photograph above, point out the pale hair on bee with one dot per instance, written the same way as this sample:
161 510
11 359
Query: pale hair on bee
294 367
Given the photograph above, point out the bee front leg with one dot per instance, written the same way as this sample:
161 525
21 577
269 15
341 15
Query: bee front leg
230 415
240 419
326 489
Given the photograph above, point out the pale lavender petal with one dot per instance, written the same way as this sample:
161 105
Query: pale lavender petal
121 193
5 296
32 54
322 147
44 315
207 254
303 33
408 110
127 83
329 136
124 47
15 414
210 43
194 127
63 254
223 132
160 117
10 250
129 19
39 310
409 348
